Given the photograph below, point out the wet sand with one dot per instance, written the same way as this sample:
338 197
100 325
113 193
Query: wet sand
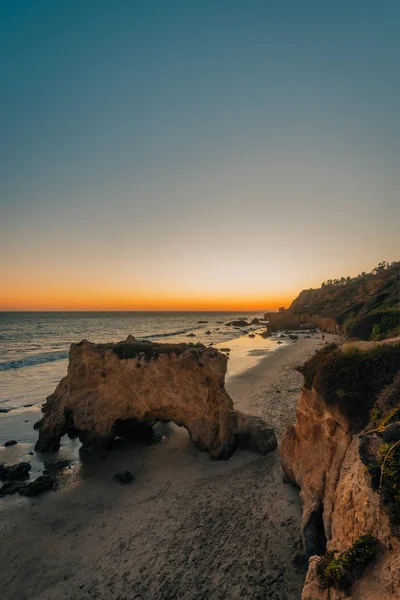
187 527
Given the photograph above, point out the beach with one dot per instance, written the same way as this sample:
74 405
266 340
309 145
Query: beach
187 527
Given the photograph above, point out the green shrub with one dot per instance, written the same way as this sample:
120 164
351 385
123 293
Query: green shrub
376 322
341 570
353 378
389 462
311 366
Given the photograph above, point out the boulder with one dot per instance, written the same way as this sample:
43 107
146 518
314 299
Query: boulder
44 483
104 395
255 321
10 487
17 471
239 323
10 443
123 478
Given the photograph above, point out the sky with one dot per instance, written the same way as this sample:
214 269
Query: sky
190 155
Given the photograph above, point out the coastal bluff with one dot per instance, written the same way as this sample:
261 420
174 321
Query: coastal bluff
123 389
363 307
344 454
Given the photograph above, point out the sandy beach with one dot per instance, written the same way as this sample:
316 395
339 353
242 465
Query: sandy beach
187 527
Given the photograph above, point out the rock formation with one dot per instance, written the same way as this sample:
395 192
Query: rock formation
125 388
331 453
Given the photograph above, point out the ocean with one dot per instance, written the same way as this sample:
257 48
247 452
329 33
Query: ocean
34 345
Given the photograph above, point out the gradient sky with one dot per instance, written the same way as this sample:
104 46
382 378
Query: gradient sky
195 154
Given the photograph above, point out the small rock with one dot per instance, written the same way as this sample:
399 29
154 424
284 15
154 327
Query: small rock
225 349
238 323
42 484
10 487
27 405
191 335
31 453
208 333
10 443
122 478
202 321
4 410
252 335
17 471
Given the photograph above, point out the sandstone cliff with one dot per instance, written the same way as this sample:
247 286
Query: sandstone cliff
364 307
125 388
348 419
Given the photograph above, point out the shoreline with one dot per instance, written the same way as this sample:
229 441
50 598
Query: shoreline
186 527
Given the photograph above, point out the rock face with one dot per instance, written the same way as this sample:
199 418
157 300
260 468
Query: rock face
125 388
324 453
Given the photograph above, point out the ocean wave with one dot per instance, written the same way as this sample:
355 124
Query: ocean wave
35 359
163 335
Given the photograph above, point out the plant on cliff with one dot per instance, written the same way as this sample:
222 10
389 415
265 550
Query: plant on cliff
389 483
352 379
377 324
341 570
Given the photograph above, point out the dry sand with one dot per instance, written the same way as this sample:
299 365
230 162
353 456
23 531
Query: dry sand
186 528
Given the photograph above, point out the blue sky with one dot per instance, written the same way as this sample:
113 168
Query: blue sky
182 150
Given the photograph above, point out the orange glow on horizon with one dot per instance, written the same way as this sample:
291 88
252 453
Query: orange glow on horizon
73 301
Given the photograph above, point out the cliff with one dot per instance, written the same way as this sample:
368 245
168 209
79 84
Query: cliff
123 389
364 307
342 453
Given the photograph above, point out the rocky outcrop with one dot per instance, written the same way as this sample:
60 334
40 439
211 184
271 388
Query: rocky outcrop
287 319
125 388
329 456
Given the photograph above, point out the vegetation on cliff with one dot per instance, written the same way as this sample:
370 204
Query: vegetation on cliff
342 570
354 379
365 385
365 307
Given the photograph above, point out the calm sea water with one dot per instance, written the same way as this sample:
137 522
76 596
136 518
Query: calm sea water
34 346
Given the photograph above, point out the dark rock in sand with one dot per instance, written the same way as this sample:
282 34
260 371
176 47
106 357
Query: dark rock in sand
10 487
239 323
5 410
279 342
293 336
44 483
255 321
17 471
122 478
252 335
27 405
31 454
265 334
191 335
208 333
10 443
202 321
225 349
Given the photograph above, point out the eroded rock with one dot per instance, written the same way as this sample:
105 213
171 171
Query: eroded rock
17 471
104 395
